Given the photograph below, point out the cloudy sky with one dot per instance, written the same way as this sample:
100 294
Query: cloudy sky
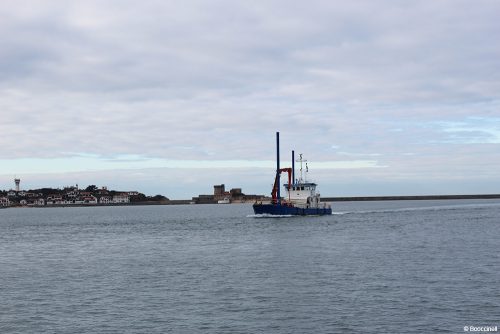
171 97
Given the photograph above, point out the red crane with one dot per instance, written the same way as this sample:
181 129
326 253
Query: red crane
274 193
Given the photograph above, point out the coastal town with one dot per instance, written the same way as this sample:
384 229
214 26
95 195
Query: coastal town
101 196
73 195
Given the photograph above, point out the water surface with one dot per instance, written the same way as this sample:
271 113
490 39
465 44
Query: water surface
402 266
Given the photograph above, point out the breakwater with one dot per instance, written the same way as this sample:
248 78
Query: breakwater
408 198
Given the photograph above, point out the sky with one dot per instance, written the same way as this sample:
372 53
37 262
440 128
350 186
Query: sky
172 97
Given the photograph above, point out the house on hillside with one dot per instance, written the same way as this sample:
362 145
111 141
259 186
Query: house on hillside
4 201
121 198
103 191
39 202
55 200
72 193
32 201
90 199
105 200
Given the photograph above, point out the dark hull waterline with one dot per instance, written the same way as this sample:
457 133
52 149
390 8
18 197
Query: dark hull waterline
283 210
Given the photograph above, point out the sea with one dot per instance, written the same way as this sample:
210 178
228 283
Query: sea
370 267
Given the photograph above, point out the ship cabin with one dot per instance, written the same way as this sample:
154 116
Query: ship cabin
301 193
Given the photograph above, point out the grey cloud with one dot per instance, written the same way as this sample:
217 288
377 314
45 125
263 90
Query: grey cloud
214 80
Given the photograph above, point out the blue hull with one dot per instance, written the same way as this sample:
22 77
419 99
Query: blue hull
281 210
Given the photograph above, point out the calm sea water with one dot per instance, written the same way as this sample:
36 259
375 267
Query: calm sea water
372 267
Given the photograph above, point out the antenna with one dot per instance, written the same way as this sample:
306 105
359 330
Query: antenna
278 201
301 161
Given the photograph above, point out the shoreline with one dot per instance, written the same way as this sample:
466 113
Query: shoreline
323 199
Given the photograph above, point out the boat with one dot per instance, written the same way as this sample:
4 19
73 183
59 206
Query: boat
225 200
301 198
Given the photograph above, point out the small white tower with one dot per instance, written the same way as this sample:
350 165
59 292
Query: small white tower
17 182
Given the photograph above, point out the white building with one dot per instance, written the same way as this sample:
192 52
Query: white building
32 202
121 198
39 202
4 201
55 199
89 200
105 200
72 193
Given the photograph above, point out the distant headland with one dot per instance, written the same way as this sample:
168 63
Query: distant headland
74 196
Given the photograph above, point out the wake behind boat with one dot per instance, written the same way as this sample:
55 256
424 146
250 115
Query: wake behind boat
300 199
